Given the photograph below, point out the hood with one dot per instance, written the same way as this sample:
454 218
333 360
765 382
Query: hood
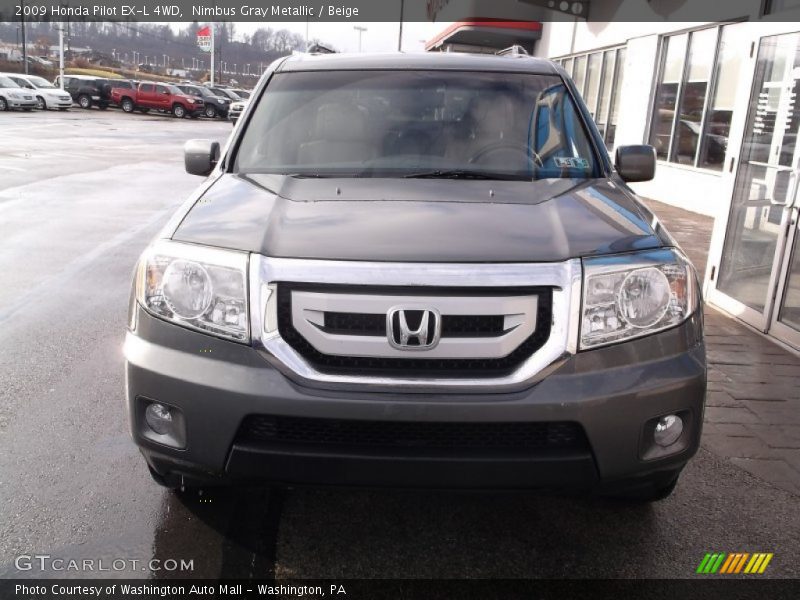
418 220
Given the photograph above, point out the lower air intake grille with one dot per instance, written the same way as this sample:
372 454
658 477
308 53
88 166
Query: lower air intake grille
553 436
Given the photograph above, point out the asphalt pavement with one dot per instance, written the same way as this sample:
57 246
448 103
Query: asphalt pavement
81 194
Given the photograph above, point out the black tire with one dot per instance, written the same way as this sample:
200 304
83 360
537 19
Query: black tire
41 103
127 105
84 101
3 104
178 111
210 111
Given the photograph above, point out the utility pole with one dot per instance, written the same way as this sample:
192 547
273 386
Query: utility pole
61 55
213 27
24 45
360 30
400 34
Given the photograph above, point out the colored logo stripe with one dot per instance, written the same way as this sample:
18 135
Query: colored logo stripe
720 562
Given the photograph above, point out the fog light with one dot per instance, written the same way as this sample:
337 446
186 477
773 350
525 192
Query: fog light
158 418
668 430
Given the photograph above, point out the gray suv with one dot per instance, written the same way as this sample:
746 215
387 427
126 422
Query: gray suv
417 270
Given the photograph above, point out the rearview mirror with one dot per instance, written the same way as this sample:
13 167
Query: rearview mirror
200 156
636 163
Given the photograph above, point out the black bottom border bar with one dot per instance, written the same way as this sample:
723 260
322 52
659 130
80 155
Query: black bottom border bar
701 587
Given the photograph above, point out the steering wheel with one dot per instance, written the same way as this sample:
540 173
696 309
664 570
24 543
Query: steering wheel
501 146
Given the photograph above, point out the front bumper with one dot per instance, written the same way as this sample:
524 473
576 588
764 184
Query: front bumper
610 392
16 103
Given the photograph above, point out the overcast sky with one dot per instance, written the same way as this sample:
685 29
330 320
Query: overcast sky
379 37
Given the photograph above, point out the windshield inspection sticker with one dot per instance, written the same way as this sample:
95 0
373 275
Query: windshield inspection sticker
571 163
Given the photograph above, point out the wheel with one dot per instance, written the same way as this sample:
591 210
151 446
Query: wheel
84 101
41 104
127 105
178 111
3 104
211 112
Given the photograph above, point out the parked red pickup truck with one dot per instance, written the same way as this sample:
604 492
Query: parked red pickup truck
158 96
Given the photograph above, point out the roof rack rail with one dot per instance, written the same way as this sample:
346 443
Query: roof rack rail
320 49
515 50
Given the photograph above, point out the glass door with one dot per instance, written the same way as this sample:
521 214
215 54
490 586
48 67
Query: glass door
753 261
786 318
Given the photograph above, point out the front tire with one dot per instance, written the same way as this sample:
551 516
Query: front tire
178 111
211 112
3 105
84 101
127 105
41 103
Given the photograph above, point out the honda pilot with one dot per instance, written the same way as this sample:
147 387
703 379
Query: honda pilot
417 271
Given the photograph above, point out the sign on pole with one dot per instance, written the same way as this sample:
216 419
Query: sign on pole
204 38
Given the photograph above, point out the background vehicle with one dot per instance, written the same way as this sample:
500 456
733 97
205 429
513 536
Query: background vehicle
236 110
119 87
161 96
423 275
87 91
226 93
214 105
243 94
13 97
47 95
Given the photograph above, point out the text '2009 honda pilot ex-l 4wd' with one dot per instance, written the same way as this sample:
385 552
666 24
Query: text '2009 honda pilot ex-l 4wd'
417 270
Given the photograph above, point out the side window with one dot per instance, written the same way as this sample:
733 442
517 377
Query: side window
146 87
160 89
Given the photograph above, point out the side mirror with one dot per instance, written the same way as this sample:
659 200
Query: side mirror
636 163
200 156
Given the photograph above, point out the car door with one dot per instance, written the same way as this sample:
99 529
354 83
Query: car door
145 96
162 97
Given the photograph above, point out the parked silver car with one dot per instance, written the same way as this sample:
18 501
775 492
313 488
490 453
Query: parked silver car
12 96
48 96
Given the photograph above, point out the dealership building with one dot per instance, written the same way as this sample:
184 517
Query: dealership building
718 101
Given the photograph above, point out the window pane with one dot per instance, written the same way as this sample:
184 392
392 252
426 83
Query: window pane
605 86
611 130
779 5
674 49
693 96
593 82
579 73
720 110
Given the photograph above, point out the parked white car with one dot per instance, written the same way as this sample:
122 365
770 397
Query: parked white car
13 96
47 95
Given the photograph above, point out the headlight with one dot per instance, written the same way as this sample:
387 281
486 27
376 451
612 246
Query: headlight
196 287
629 296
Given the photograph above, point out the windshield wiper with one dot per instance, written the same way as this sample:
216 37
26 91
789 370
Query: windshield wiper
467 174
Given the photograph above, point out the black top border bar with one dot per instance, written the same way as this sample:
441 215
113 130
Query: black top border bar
390 11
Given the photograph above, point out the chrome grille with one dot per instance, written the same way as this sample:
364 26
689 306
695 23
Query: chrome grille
357 343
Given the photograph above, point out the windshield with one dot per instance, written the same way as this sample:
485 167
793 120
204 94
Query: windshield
5 82
417 124
40 82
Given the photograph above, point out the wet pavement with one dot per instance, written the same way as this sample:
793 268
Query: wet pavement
81 194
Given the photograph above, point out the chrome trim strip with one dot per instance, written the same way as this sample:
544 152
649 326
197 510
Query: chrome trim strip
564 278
